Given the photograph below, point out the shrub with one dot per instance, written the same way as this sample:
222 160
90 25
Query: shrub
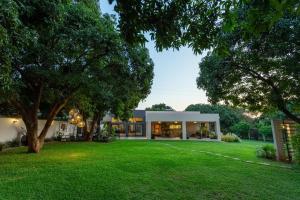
267 151
12 143
212 135
107 133
230 137
58 135
296 147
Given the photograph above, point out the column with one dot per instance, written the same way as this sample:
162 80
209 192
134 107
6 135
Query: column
184 130
218 129
148 130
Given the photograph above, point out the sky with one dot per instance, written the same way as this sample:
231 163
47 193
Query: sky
175 74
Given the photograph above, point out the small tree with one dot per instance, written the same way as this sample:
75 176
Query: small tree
265 131
241 129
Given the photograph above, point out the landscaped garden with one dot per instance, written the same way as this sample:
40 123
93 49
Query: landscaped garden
127 169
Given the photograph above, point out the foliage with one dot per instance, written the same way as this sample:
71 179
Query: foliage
228 115
212 135
256 74
267 151
176 23
230 137
296 144
265 130
241 129
53 50
107 133
58 135
160 107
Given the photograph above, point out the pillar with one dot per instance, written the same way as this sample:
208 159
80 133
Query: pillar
218 129
148 130
184 130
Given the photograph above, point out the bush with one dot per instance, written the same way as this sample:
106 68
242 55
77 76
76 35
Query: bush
13 143
212 135
107 133
296 147
1 146
58 135
267 151
230 137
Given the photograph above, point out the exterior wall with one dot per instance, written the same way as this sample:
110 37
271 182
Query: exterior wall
169 116
8 128
182 117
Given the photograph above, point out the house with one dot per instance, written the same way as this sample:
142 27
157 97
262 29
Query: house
166 125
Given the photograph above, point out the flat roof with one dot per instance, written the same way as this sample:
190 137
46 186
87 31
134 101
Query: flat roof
180 116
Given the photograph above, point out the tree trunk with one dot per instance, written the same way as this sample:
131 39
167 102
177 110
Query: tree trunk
34 143
89 132
264 137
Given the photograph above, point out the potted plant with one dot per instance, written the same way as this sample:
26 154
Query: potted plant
59 135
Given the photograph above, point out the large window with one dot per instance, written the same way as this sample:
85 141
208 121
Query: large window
166 129
135 130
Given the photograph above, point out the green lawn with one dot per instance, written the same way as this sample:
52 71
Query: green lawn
145 170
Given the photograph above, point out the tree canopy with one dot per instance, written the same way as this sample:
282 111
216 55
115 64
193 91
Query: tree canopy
259 74
196 23
160 107
51 50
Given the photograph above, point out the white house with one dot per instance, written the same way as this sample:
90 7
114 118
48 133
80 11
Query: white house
167 124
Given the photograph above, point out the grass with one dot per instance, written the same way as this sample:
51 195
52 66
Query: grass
145 170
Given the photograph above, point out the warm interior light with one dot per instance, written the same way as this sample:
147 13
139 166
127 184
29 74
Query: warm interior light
15 121
176 122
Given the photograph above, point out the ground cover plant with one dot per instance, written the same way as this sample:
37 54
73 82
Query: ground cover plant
145 170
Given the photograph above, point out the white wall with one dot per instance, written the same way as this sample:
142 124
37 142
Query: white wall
8 131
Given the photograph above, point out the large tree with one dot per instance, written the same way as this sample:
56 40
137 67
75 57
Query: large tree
49 51
203 24
196 23
260 73
122 86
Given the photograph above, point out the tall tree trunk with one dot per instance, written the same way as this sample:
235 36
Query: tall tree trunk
31 123
88 132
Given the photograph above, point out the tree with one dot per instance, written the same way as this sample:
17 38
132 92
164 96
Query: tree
160 107
228 115
265 130
259 74
250 26
51 50
241 129
122 86
196 23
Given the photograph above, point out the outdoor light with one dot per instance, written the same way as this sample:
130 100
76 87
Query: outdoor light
75 118
78 117
176 122
73 111
195 122
81 124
